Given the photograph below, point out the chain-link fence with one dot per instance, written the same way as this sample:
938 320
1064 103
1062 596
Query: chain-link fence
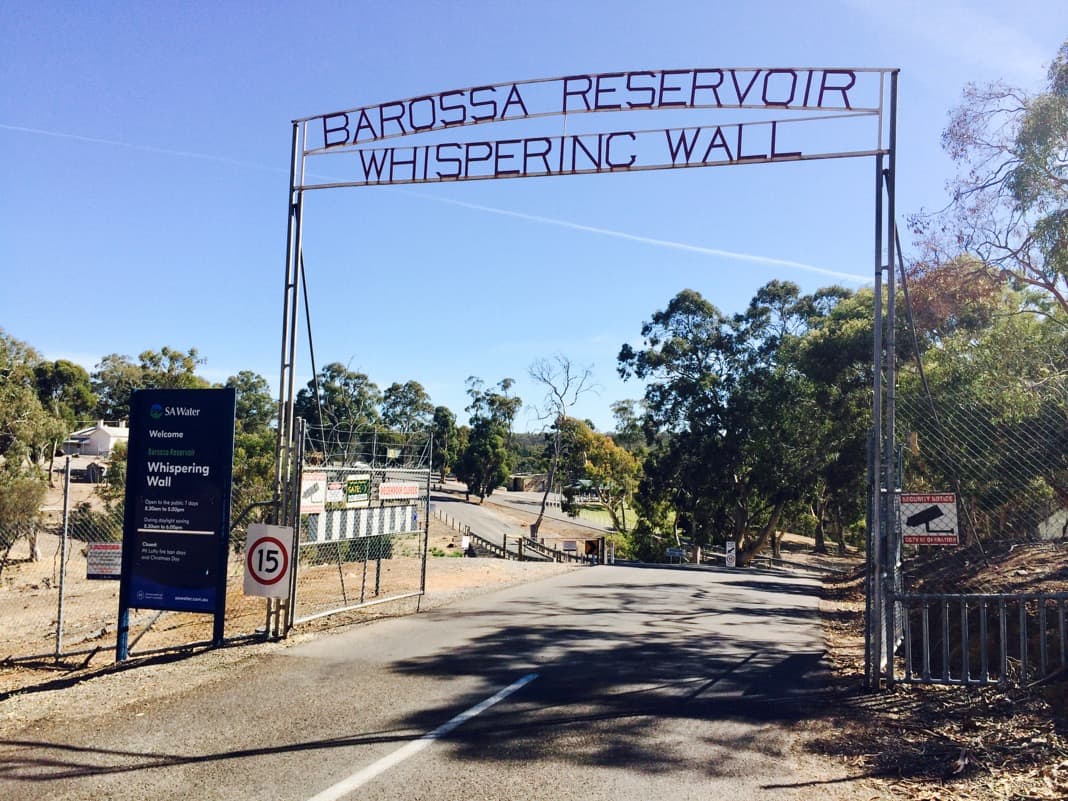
996 439
982 428
59 587
363 520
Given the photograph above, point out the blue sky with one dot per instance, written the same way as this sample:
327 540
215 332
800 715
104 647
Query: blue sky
144 151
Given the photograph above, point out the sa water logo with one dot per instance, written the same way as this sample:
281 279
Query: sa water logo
156 412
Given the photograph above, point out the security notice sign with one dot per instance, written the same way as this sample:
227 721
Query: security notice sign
312 493
929 518
267 560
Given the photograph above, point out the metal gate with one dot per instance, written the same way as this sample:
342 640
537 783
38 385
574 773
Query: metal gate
363 521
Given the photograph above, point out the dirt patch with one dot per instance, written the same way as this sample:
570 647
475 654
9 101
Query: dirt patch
29 603
948 743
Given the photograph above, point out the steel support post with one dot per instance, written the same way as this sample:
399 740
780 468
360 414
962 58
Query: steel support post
290 303
890 472
873 634
63 544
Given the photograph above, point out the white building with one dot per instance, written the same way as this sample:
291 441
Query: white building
99 440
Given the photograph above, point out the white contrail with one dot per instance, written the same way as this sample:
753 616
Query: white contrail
646 240
147 148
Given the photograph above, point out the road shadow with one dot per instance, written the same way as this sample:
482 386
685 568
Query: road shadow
701 662
691 659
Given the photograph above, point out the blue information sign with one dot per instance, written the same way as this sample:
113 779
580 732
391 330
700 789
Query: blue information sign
177 517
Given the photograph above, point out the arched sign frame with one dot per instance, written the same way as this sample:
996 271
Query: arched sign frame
417 140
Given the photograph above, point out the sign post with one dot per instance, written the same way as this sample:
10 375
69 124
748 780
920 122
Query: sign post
176 527
731 554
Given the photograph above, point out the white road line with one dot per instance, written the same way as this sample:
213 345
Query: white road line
361 777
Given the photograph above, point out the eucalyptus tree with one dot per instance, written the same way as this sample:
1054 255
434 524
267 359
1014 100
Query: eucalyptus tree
338 405
117 377
629 432
990 420
487 457
1009 204
254 437
742 431
564 383
448 444
406 407
608 471
65 390
28 433
835 355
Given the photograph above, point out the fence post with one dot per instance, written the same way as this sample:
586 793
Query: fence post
63 557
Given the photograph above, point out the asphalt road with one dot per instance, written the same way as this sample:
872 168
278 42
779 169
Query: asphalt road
623 683
486 523
483 520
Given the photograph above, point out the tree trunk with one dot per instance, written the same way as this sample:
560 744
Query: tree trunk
739 524
746 556
31 540
52 465
607 502
820 513
6 548
839 531
548 486
616 524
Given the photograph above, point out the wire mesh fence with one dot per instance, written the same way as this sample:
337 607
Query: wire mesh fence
1007 464
348 574
364 518
59 585
982 424
984 413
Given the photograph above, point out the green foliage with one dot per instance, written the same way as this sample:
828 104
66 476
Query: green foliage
28 431
629 432
604 469
64 390
487 460
737 422
337 405
406 407
256 406
21 496
116 378
529 453
113 490
89 525
488 457
999 425
447 441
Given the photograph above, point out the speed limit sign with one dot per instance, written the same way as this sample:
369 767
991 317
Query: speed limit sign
267 560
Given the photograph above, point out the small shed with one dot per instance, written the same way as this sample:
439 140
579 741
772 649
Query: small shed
528 482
